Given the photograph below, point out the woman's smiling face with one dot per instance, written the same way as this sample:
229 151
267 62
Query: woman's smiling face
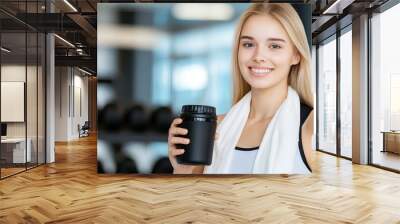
265 52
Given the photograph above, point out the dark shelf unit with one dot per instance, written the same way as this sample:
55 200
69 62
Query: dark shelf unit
129 136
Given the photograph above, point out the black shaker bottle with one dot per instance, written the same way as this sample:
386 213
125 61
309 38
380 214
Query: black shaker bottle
201 123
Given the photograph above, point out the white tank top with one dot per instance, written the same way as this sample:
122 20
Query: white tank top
243 160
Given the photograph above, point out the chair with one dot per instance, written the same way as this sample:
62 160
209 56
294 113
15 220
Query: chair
84 130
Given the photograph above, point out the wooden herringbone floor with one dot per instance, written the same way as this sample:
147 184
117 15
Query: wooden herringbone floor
70 191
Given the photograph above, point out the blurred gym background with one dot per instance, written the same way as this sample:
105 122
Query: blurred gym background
152 59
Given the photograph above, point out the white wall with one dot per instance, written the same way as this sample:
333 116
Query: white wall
33 126
14 73
70 83
61 103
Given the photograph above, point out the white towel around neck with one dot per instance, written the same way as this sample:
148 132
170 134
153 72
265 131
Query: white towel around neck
279 148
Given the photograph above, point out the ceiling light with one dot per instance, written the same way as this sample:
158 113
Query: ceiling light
5 50
70 5
84 71
65 41
337 7
130 37
201 11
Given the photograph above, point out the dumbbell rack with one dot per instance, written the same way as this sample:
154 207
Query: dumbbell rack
129 136
128 82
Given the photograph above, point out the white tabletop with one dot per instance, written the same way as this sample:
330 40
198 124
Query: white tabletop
13 140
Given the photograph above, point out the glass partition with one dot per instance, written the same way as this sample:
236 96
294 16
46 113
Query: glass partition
385 89
31 98
346 93
327 96
22 77
13 109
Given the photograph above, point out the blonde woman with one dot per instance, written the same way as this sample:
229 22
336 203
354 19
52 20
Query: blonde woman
270 126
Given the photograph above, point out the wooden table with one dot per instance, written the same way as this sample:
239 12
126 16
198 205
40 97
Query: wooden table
391 141
14 150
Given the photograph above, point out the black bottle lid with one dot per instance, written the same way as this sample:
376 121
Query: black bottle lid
199 109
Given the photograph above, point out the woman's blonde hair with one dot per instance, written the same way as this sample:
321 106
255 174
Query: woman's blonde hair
299 75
